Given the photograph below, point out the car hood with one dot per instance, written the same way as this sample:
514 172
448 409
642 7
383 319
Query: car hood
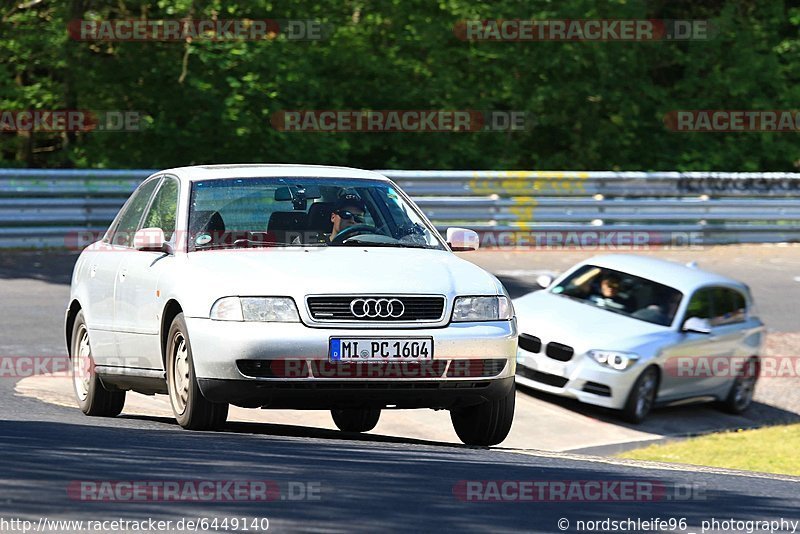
298 272
582 326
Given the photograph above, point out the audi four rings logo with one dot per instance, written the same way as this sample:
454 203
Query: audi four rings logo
377 308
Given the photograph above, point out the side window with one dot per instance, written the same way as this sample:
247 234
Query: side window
163 209
132 214
699 305
729 307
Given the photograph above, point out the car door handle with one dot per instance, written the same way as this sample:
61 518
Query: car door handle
123 273
93 271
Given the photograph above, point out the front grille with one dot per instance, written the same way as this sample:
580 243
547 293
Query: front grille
411 309
476 368
530 343
544 378
557 351
597 389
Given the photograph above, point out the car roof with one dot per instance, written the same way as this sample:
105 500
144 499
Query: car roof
682 277
262 170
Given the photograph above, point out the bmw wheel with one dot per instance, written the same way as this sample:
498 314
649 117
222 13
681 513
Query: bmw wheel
192 410
743 388
642 396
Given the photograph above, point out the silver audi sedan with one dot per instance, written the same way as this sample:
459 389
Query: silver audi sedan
281 286
630 332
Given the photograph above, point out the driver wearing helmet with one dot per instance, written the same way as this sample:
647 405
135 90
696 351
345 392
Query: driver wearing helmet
349 211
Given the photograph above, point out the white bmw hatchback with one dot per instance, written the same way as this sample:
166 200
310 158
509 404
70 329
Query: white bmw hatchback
281 286
631 332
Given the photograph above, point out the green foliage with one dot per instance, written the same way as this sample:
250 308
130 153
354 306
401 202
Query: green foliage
594 105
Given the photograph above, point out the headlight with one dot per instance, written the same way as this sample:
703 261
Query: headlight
263 309
614 359
482 309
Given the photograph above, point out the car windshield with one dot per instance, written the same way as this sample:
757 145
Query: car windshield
621 293
302 212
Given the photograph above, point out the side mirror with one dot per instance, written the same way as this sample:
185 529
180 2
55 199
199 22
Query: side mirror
544 280
696 325
151 240
462 240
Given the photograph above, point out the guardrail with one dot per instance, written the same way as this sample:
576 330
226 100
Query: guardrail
38 208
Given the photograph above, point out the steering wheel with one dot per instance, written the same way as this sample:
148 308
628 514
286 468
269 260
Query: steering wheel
351 231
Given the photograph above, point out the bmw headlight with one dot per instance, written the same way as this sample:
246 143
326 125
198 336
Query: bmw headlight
263 309
482 309
614 359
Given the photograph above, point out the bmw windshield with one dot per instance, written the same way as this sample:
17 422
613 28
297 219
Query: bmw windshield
621 293
302 212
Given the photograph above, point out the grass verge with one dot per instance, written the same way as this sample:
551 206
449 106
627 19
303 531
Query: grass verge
769 450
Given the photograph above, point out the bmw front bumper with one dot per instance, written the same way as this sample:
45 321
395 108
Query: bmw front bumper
580 378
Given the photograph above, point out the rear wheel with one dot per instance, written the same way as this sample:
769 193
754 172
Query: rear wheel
192 410
642 396
744 387
487 423
356 420
93 398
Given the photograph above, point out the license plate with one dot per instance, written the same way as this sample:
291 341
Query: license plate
548 366
382 349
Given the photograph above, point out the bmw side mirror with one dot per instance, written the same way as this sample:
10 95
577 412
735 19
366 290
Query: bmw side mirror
462 240
151 240
544 280
696 325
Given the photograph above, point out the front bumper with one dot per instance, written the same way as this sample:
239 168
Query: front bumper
221 349
577 378
326 395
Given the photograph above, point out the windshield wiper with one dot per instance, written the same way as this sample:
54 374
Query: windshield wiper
242 244
355 241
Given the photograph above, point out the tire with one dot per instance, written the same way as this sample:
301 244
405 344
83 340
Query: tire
192 410
93 398
642 396
356 420
487 423
743 388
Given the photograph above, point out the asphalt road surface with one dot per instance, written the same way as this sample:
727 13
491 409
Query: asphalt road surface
59 465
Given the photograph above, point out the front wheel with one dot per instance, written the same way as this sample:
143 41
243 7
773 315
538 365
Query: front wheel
355 420
93 398
192 410
642 396
487 423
